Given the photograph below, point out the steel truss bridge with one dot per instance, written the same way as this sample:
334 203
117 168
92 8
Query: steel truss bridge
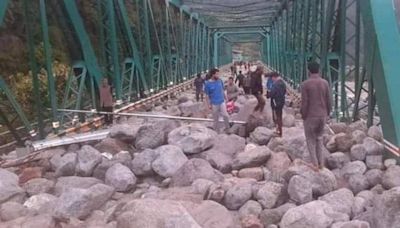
147 46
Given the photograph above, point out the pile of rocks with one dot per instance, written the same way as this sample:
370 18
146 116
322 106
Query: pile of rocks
168 174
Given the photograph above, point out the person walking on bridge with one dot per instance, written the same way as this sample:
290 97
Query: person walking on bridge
199 85
106 100
215 99
257 88
315 109
277 95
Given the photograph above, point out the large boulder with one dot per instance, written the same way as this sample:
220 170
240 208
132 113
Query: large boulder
154 135
273 216
375 132
79 203
261 135
213 215
42 221
386 210
337 160
154 213
251 207
339 127
352 168
344 142
358 183
300 190
125 132
141 163
391 177
111 145
358 136
65 165
192 109
373 147
193 138
315 214
271 195
9 187
41 203
194 169
351 224
170 159
64 183
221 155
12 210
289 120
88 158
374 176
358 152
278 163
238 195
374 161
340 200
250 158
256 173
120 177
38 185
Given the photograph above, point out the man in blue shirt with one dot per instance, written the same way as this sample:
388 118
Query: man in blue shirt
214 88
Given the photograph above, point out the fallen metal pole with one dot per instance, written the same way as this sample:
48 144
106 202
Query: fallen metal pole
142 115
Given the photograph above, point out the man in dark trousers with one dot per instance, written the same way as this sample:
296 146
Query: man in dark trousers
257 88
106 100
199 85
214 88
240 79
277 95
315 109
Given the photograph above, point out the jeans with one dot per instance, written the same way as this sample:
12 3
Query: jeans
199 94
217 111
314 129
277 117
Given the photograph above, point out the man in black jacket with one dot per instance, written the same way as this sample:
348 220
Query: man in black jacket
277 95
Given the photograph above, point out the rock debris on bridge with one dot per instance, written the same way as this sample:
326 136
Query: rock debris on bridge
165 173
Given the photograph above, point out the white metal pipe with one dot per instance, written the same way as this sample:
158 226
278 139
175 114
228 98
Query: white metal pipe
142 115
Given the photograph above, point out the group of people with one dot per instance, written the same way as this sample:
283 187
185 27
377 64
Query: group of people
315 102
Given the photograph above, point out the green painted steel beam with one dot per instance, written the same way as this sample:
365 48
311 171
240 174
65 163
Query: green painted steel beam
86 46
380 15
3 10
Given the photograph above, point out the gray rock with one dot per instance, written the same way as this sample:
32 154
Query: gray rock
88 158
358 183
120 177
358 152
358 125
170 159
141 163
194 169
201 186
374 161
65 165
374 176
358 136
252 158
300 190
278 163
270 217
386 210
124 132
100 170
256 173
154 213
251 207
261 135
111 145
193 138
271 195
373 147
12 210
339 127
38 185
9 187
389 162
351 224
154 135
337 160
368 196
340 200
123 157
192 109
289 121
391 177
64 183
237 196
352 168
359 206
42 221
344 142
375 132
79 203
41 203
315 214
212 214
